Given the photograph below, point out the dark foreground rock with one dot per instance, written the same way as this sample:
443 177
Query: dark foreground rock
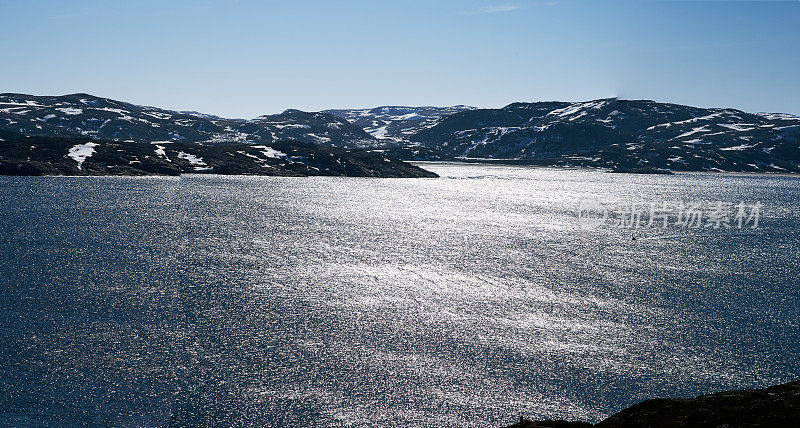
776 406
55 155
524 423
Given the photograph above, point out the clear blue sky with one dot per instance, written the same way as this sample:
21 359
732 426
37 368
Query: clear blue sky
241 58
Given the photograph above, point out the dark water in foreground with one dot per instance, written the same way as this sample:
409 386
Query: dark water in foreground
465 300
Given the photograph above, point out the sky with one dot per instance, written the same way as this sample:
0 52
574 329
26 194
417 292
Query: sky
241 58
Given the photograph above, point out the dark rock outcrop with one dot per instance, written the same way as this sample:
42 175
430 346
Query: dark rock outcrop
524 423
775 406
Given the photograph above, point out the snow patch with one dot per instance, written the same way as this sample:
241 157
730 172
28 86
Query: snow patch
739 147
407 117
739 126
379 133
320 139
113 110
70 111
270 152
576 107
778 116
694 131
290 126
158 115
160 152
27 103
80 152
192 159
581 114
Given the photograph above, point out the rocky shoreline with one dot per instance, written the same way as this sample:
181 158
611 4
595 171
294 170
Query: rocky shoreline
775 406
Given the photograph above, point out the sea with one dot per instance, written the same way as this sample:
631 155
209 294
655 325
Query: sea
489 293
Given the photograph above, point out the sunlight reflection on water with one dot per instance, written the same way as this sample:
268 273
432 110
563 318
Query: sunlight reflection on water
465 300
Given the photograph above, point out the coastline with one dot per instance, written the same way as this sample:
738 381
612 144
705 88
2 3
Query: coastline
513 163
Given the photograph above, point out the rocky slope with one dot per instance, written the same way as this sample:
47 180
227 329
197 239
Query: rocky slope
54 155
621 135
615 133
90 116
81 134
776 406
393 125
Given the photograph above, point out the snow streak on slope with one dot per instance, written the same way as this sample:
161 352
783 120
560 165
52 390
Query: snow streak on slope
86 115
80 152
394 124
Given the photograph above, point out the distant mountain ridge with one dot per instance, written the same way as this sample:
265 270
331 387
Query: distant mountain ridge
615 133
81 134
394 124
625 135
91 116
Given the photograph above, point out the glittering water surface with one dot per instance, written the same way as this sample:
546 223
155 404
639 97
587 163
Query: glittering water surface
461 301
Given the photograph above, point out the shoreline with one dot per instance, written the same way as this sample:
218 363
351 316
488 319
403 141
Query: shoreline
512 163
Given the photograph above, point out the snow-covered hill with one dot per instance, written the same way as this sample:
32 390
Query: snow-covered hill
392 125
606 133
81 134
618 134
87 115
59 155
